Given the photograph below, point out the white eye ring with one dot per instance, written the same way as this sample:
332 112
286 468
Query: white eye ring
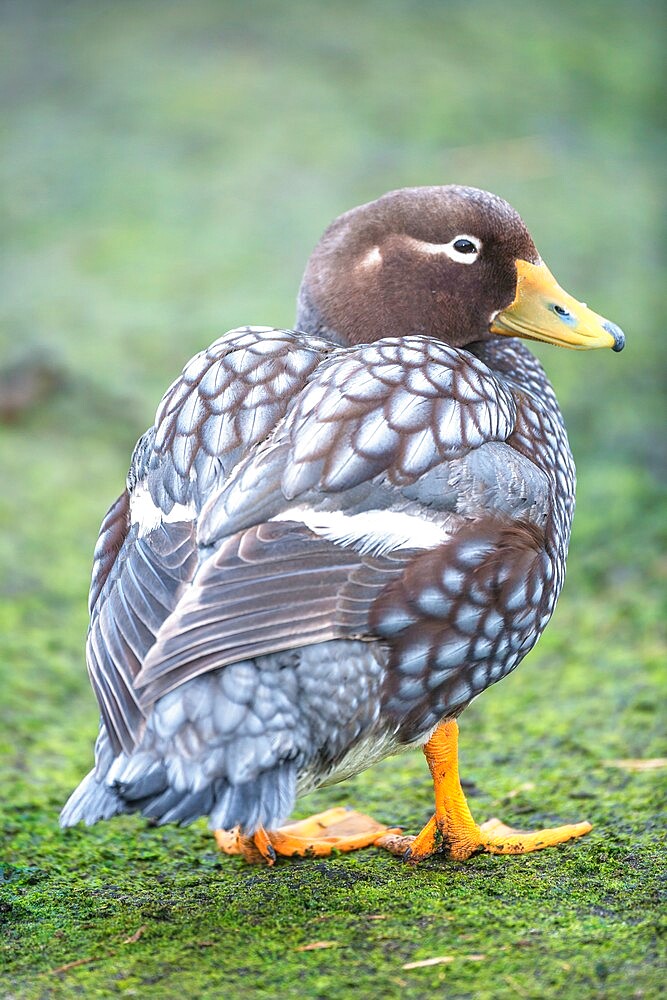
460 256
466 256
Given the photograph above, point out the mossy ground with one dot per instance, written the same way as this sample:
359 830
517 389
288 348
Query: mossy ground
169 167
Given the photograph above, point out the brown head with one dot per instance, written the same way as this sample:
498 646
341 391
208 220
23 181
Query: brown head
454 263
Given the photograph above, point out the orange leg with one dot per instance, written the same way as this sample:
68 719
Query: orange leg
452 828
336 829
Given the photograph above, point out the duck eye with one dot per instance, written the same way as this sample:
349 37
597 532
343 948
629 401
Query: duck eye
464 246
463 249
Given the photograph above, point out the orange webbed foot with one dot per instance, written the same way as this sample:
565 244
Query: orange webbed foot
452 830
336 829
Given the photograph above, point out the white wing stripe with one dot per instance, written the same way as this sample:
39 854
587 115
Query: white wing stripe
373 532
147 514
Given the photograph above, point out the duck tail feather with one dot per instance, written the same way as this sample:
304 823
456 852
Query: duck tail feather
266 801
90 802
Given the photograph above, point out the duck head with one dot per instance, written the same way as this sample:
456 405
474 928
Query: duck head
454 263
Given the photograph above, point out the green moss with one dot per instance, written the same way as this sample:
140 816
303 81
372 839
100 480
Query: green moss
171 166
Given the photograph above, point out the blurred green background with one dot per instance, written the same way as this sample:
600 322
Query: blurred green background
166 169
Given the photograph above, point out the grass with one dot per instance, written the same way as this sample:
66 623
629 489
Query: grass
169 168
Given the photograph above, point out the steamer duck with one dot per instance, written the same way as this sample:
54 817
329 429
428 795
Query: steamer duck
333 538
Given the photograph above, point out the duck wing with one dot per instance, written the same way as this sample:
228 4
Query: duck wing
300 542
228 398
374 418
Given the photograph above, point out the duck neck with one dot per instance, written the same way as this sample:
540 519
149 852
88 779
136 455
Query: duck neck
309 319
510 359
540 432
